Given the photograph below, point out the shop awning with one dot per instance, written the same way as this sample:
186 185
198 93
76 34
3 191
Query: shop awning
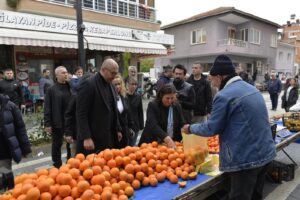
46 39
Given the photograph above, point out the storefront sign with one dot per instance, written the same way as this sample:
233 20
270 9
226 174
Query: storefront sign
16 20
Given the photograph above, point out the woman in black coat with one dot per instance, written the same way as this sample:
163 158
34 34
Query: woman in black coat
14 143
125 119
290 95
164 118
136 109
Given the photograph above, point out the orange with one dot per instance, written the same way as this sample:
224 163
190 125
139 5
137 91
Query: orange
152 163
139 176
136 184
84 165
64 169
33 194
80 157
96 188
115 172
82 186
173 178
98 180
53 190
74 172
129 169
26 187
96 169
123 197
43 186
153 181
123 184
88 174
106 195
112 163
64 190
87 195
161 177
129 191
107 154
46 196
146 181
126 160
42 172
106 175
123 175
74 163
75 193
119 161
138 155
115 188
130 178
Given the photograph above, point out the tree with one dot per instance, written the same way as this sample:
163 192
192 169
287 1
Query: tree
126 56
146 64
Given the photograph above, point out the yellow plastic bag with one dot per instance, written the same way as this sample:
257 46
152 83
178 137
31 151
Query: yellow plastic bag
195 148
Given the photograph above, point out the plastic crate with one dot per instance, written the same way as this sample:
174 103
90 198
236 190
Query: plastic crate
278 172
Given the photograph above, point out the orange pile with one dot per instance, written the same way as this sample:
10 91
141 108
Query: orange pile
213 144
111 174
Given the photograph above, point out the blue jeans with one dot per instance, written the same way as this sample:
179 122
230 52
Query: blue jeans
274 99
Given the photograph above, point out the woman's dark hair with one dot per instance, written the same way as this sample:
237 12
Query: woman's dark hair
165 89
77 68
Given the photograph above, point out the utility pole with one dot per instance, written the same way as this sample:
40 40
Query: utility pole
80 30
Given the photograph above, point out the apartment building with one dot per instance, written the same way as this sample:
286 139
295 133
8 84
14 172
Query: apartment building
249 40
39 34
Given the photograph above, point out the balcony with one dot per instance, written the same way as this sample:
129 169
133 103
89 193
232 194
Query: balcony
232 42
123 8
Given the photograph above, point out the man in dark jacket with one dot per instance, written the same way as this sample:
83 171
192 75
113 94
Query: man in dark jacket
96 111
14 143
56 102
165 77
274 88
45 82
10 87
203 94
185 92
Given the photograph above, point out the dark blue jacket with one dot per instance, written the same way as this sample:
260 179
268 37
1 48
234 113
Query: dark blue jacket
14 142
274 86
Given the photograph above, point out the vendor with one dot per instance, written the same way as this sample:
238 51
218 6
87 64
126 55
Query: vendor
164 118
240 117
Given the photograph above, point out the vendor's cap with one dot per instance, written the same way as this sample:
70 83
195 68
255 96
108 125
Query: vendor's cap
222 66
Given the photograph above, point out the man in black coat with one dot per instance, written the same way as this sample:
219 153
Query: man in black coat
202 90
96 111
56 102
10 87
14 143
185 92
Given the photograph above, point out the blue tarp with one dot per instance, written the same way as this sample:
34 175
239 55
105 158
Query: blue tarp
167 190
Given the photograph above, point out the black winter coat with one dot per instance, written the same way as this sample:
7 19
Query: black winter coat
126 122
70 118
56 103
203 95
292 100
93 115
136 111
157 122
14 141
13 90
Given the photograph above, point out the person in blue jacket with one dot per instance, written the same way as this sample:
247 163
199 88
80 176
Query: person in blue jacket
14 143
274 88
239 115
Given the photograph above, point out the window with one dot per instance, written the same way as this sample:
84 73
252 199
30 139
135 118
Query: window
289 56
274 40
100 5
254 36
280 55
198 36
112 6
123 8
88 3
244 34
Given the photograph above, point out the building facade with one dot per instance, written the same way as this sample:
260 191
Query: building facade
284 63
249 40
39 34
291 35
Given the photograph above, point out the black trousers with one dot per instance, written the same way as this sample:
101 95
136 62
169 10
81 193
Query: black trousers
57 141
247 184
274 100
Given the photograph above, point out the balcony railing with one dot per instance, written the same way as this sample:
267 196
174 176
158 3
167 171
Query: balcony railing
124 8
233 42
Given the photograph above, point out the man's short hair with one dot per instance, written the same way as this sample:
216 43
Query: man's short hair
181 67
57 69
45 70
197 63
8 70
167 68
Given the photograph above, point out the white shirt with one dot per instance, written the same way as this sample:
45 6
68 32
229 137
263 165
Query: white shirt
288 92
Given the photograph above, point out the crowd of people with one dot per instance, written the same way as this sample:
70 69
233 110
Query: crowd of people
100 110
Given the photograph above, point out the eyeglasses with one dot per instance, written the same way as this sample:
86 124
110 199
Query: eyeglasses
113 72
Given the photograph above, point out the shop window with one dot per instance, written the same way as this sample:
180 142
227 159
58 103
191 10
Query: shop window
6 57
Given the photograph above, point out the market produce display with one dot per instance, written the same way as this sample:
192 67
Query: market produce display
111 174
213 144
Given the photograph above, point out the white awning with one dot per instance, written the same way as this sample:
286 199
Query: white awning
46 39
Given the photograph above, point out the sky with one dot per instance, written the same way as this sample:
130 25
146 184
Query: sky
278 11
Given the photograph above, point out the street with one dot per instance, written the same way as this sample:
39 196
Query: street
41 158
